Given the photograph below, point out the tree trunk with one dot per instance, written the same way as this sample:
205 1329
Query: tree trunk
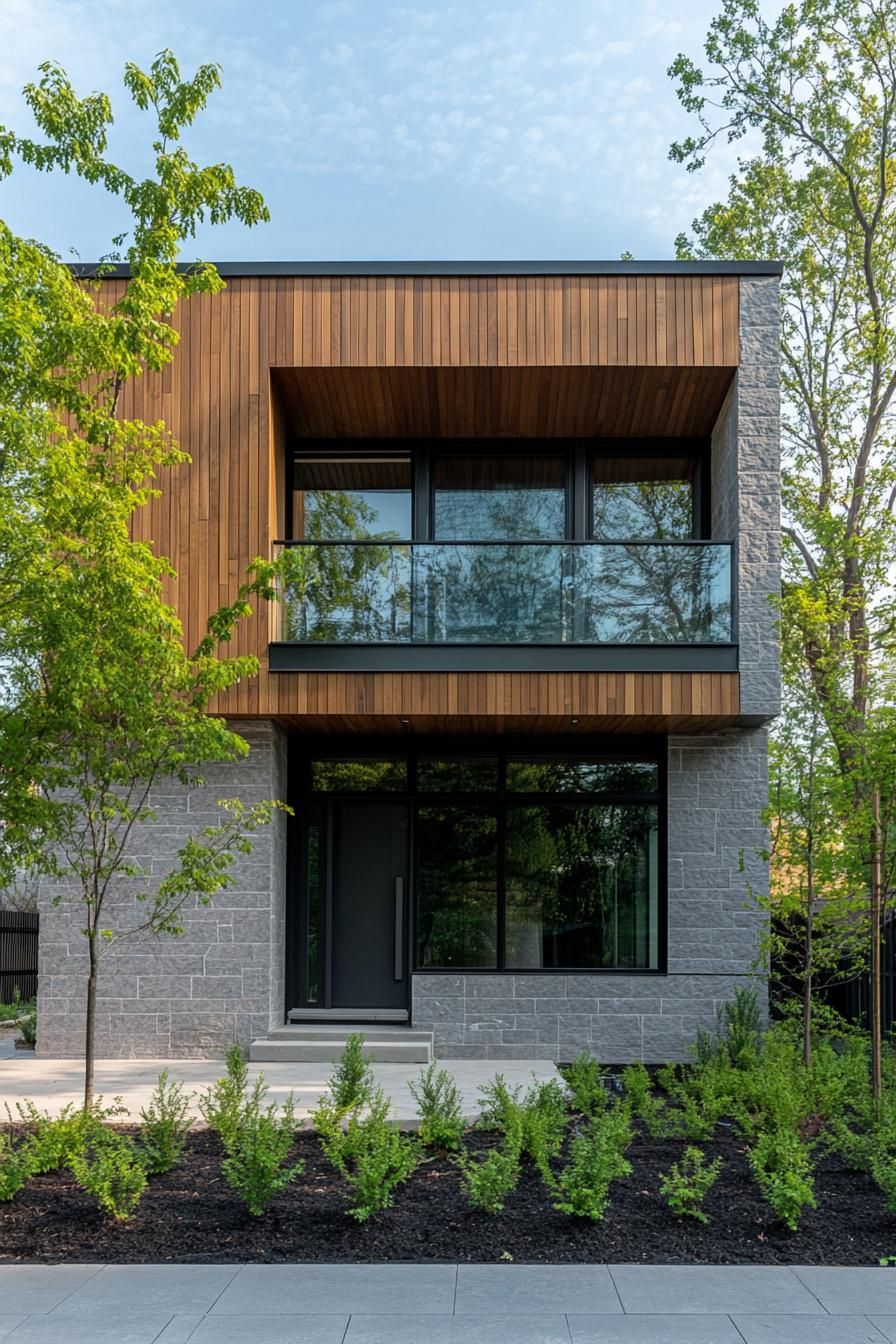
875 946
808 968
90 1028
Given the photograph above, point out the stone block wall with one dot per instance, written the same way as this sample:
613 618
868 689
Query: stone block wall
746 493
221 981
717 786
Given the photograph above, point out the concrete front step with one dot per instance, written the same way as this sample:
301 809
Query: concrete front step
318 1045
338 1031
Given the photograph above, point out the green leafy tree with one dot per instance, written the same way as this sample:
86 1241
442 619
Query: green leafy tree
100 701
815 91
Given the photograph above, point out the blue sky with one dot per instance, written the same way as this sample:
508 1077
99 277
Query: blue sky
375 130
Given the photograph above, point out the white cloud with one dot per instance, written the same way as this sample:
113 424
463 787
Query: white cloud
562 102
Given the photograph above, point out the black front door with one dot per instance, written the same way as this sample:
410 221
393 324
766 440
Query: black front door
368 918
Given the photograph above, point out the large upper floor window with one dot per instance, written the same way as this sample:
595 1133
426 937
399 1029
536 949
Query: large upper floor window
351 498
495 491
499 498
644 498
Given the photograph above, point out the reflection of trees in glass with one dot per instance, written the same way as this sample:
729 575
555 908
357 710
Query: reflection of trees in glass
312 962
459 775
457 894
582 776
504 513
627 509
655 594
349 592
578 885
358 776
490 594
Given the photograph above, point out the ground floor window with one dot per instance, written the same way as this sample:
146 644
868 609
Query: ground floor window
532 886
517 861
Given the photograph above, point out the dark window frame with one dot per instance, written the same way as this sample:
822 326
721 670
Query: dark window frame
305 748
579 454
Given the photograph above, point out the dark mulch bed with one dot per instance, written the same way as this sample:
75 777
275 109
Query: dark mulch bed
190 1215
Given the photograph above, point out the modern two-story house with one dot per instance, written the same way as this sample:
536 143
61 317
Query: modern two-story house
517 683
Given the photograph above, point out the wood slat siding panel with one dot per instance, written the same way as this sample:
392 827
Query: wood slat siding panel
458 356
659 697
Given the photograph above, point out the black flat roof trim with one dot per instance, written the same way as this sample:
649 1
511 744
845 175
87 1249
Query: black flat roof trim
464 268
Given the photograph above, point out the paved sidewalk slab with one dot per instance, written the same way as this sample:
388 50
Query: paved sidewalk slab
808 1330
725 1289
271 1330
179 1329
92 1327
25 1289
443 1304
521 1289
322 1289
168 1288
458 1330
861 1291
54 1083
640 1329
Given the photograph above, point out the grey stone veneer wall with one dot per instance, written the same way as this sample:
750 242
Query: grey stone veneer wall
746 502
222 980
717 785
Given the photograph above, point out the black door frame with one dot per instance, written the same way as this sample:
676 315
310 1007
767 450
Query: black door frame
307 806
322 813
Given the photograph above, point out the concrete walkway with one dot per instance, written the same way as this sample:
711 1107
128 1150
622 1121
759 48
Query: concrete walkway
51 1083
444 1304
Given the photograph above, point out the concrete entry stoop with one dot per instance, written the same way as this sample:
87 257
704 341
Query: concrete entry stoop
312 1043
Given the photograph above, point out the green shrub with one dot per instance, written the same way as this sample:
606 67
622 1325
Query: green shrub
110 1167
783 1169
854 1147
255 1166
642 1099
596 1158
587 1093
544 1119
740 1027
17 1007
166 1123
500 1107
221 1105
883 1170
439 1107
351 1085
686 1184
369 1152
52 1141
490 1179
28 1027
15 1166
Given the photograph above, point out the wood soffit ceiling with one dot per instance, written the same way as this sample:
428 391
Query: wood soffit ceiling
537 402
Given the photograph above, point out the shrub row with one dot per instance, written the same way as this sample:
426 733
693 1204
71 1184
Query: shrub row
575 1133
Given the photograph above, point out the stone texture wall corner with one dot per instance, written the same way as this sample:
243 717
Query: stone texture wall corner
220 982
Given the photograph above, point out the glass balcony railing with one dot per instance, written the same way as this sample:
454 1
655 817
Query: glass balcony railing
389 592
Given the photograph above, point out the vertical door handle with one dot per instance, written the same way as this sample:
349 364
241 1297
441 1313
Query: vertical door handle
399 928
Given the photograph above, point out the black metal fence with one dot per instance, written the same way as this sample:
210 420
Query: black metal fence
18 955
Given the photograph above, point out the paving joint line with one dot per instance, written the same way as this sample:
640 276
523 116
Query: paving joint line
737 1327
90 1277
456 1277
238 1269
609 1269
794 1271
157 1337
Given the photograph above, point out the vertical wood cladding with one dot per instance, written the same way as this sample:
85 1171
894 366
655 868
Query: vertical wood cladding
223 509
